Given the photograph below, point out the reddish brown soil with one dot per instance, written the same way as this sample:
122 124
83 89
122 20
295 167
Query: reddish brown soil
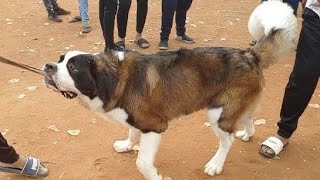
186 146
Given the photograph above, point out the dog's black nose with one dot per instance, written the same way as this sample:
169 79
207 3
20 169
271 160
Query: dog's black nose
50 68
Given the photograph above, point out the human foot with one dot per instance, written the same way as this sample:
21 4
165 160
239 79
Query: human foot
27 166
273 146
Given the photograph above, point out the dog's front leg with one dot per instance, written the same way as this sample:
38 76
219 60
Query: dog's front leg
149 145
127 145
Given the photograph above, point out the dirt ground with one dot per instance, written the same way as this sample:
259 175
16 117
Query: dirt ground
28 37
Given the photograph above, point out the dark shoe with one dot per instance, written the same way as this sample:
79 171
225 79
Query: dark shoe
163 45
75 19
185 39
60 11
54 17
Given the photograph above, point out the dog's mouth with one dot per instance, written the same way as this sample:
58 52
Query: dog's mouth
49 82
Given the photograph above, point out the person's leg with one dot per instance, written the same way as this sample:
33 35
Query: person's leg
102 4
54 4
107 12
303 79
7 153
181 15
58 10
168 9
142 11
122 19
10 159
83 8
47 4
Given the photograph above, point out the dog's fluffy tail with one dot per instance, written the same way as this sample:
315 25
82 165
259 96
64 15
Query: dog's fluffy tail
274 27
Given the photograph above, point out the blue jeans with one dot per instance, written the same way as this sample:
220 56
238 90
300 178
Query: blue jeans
84 13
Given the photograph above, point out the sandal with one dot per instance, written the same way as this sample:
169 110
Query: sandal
142 43
275 144
86 29
31 168
75 19
121 44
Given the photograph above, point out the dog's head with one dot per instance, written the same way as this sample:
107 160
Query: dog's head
79 73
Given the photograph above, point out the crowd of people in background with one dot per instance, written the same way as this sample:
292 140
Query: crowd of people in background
111 9
302 82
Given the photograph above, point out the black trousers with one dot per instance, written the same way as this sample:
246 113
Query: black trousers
304 77
107 12
168 8
50 5
122 16
7 153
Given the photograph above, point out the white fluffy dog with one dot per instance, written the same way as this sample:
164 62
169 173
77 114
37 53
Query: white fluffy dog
272 15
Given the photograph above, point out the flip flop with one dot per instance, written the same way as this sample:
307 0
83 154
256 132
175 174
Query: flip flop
140 43
75 19
273 143
30 168
86 29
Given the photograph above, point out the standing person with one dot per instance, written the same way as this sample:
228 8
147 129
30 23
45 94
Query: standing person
302 82
168 8
122 20
11 162
107 13
54 10
84 16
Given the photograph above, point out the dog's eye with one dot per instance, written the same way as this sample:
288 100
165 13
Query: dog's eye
72 68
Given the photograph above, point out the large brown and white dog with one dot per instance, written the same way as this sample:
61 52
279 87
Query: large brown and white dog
145 92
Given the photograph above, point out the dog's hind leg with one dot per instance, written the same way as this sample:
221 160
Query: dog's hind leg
149 145
215 165
127 145
247 120
249 129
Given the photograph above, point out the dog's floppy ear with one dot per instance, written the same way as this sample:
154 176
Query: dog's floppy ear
61 58
105 77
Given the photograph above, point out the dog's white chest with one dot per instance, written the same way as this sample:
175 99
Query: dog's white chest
118 115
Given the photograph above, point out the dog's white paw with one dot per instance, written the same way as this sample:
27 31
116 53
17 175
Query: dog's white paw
123 145
213 167
244 135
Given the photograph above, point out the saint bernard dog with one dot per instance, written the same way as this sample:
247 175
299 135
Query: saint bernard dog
145 92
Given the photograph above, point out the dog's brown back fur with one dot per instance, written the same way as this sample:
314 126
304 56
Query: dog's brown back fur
154 89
